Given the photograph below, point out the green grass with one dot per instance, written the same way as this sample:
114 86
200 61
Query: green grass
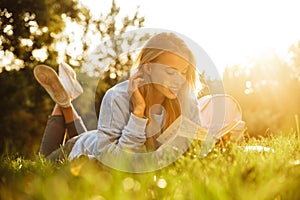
226 173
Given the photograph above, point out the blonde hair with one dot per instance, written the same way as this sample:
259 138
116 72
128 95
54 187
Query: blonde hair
168 42
156 46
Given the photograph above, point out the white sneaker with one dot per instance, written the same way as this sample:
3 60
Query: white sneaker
49 79
68 78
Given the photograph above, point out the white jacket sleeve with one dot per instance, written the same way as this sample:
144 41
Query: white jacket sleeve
118 130
119 124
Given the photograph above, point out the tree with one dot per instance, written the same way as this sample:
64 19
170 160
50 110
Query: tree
28 26
28 29
111 58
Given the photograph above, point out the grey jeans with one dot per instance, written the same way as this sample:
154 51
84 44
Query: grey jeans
52 145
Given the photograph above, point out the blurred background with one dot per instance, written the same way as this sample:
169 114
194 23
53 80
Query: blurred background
254 45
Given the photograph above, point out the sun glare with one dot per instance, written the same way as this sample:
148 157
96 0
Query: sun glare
231 32
40 54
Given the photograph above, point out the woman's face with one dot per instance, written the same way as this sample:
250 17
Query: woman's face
168 74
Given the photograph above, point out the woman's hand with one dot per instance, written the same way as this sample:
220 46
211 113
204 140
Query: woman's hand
136 97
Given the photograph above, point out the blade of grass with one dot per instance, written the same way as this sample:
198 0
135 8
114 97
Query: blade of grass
297 128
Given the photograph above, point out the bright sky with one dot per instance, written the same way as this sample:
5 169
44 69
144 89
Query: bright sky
229 31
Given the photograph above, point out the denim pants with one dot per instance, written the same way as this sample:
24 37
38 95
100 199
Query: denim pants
52 145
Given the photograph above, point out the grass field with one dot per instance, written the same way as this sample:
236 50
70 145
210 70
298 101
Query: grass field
230 171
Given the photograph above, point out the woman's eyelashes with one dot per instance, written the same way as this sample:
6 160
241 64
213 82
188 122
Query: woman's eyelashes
173 72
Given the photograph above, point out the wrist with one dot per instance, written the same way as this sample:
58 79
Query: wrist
138 114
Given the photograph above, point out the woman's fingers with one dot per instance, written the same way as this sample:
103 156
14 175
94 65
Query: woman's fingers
134 91
136 97
135 82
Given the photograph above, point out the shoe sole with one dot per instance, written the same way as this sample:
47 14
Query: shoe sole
49 79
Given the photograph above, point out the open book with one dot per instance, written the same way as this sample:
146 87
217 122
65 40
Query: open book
184 127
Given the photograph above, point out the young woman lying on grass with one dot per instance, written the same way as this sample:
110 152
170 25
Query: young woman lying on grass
133 113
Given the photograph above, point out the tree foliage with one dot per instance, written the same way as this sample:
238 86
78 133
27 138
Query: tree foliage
111 58
28 28
31 26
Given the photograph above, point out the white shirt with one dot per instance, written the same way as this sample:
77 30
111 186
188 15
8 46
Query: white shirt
118 129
